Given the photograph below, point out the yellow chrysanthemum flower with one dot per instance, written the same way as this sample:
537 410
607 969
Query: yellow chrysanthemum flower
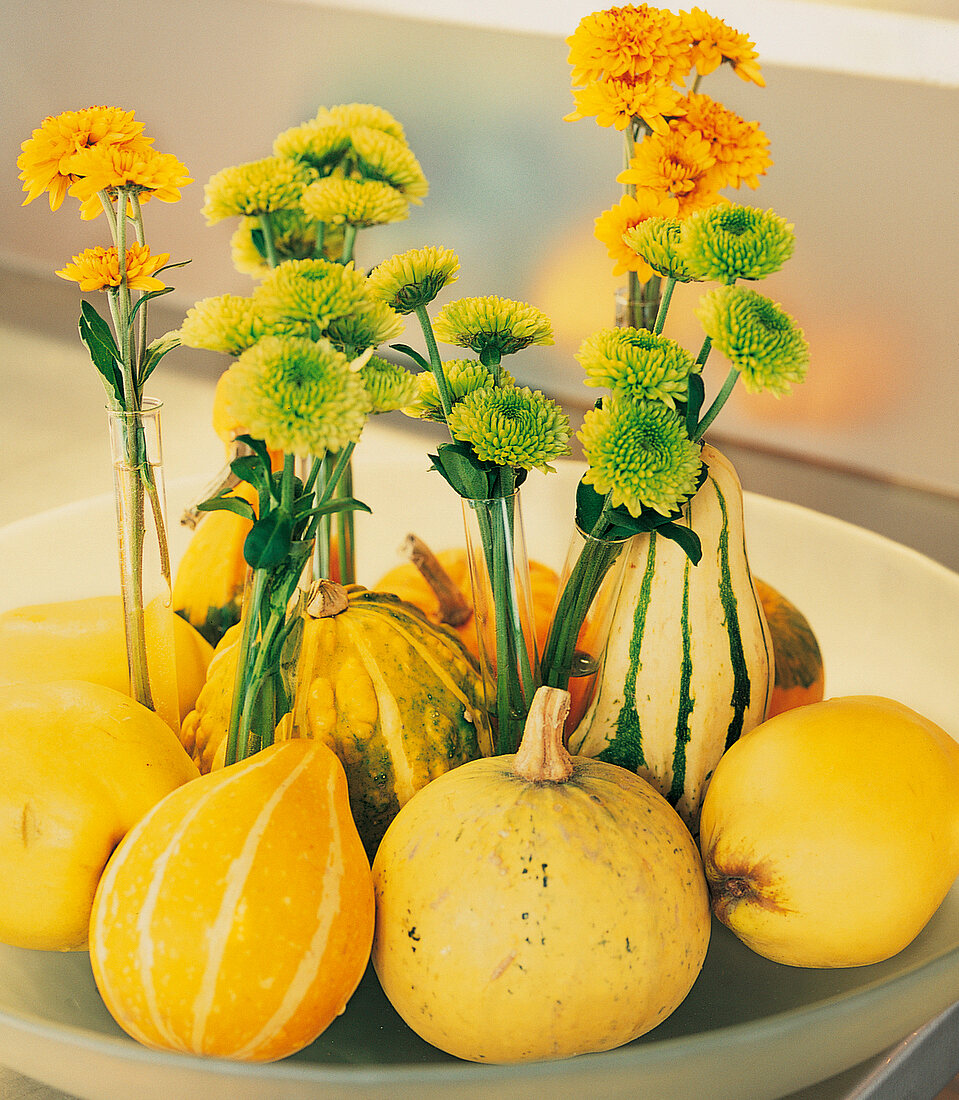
294 238
638 452
99 268
463 376
367 326
741 149
302 297
108 167
492 326
354 202
389 385
737 242
758 337
616 101
258 187
637 363
516 427
659 241
632 41
378 155
613 224
226 323
715 42
677 165
355 115
319 143
298 396
45 162
412 279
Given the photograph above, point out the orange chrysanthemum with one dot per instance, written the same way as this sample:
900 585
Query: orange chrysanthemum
45 162
615 102
108 167
741 149
715 42
99 268
630 211
638 42
677 165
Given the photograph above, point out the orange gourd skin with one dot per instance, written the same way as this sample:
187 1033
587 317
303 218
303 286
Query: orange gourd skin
800 677
236 919
408 583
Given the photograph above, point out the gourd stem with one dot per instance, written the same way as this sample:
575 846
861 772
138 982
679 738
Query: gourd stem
542 757
453 607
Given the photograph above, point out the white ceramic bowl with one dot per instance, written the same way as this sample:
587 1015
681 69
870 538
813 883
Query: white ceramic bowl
888 622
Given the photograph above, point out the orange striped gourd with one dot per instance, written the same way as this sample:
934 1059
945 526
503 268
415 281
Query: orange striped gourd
236 919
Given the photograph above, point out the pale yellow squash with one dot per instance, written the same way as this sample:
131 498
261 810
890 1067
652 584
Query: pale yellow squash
82 763
537 906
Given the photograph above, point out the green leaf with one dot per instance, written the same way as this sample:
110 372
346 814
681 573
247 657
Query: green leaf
339 504
695 395
249 468
268 543
686 537
156 350
228 504
169 267
414 355
145 297
458 464
97 338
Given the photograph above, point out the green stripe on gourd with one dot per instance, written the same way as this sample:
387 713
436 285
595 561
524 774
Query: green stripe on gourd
689 664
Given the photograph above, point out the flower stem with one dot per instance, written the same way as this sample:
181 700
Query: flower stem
436 363
713 411
269 241
664 305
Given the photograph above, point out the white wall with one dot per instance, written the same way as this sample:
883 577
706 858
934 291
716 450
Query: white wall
866 167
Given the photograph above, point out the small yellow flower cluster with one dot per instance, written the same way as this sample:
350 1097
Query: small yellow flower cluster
100 156
629 69
96 149
312 316
347 168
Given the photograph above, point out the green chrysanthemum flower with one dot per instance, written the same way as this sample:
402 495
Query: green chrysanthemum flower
379 156
319 143
389 385
759 338
412 279
511 427
353 115
298 396
463 376
636 363
492 326
227 323
736 242
294 238
355 202
259 187
639 453
302 297
366 327
659 241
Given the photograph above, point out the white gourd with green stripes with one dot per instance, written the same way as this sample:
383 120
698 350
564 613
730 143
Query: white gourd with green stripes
689 662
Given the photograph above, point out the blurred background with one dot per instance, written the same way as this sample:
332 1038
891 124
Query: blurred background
861 108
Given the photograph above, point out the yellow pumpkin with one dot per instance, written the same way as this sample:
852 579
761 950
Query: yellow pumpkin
235 919
799 673
537 906
84 640
82 763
